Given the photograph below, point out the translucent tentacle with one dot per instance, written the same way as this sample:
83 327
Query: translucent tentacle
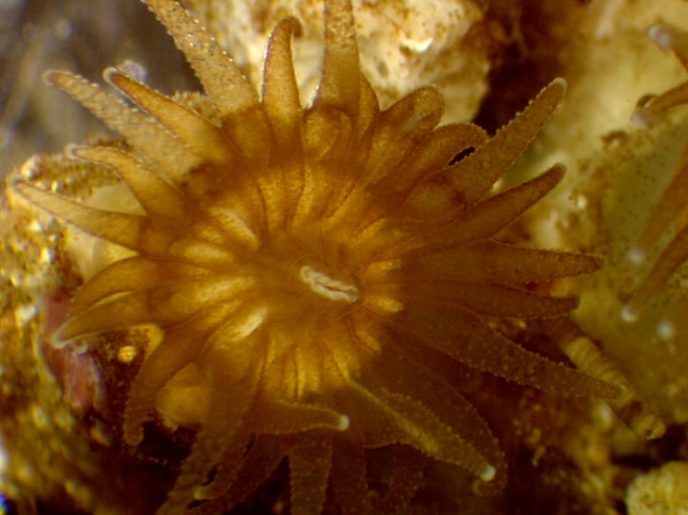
490 216
234 370
130 274
489 299
310 461
474 175
136 232
500 263
156 196
222 80
340 81
280 89
148 137
202 136
165 304
467 339
180 346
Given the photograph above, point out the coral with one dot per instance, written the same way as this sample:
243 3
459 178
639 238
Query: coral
671 211
660 492
326 278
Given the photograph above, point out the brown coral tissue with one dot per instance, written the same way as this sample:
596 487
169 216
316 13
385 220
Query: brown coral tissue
325 277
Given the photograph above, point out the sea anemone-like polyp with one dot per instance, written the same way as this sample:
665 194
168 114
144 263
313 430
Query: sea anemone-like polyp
323 274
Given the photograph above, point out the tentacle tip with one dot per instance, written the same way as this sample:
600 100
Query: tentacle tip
488 473
654 428
293 24
662 35
72 151
51 77
558 170
665 330
561 83
133 69
641 117
344 423
57 340
111 75
635 256
629 313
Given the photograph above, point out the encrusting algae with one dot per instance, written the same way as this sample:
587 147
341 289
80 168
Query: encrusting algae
320 284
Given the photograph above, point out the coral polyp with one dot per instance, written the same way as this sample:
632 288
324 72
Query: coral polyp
321 274
670 213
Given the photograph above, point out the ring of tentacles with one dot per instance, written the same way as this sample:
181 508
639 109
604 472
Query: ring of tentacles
329 270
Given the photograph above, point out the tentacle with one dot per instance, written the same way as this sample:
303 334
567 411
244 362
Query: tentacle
280 89
156 196
406 367
135 232
134 273
487 218
261 460
434 152
165 304
673 257
474 175
466 338
399 129
222 80
410 422
340 81
285 417
406 475
147 136
310 462
233 367
666 38
672 207
490 261
348 477
180 346
487 299
203 137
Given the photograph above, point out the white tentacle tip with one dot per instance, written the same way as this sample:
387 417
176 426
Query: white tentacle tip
662 35
488 474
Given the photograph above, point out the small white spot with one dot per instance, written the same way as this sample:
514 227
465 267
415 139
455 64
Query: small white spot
488 474
581 201
628 314
25 313
561 82
635 256
344 423
666 330
662 36
126 354
641 117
